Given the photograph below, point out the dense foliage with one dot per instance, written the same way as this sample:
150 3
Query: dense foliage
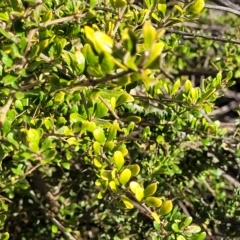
108 121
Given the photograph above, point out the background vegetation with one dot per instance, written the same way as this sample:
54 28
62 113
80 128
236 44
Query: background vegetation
119 120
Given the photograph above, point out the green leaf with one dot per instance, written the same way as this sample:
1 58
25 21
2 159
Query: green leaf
166 207
59 97
66 165
112 132
125 176
19 95
95 71
54 229
201 236
18 104
80 59
107 63
130 41
109 145
9 79
187 222
180 237
175 87
153 202
156 226
48 123
5 58
46 144
14 51
124 98
99 135
6 127
175 227
11 115
134 119
5 236
90 57
10 138
150 189
118 159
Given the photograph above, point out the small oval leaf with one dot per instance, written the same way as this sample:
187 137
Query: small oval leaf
134 168
134 186
166 207
127 202
150 189
156 217
153 202
125 176
118 159
99 135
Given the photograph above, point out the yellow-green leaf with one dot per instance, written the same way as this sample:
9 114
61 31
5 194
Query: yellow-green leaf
188 85
139 194
99 135
100 195
97 163
106 175
114 173
134 168
103 42
108 146
153 202
166 207
127 202
156 217
155 53
150 189
118 159
113 186
96 147
196 7
175 87
125 176
59 97
33 136
134 186
135 119
149 34
112 131
118 3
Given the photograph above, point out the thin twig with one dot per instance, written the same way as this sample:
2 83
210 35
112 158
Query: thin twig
224 9
4 110
120 16
110 109
203 36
